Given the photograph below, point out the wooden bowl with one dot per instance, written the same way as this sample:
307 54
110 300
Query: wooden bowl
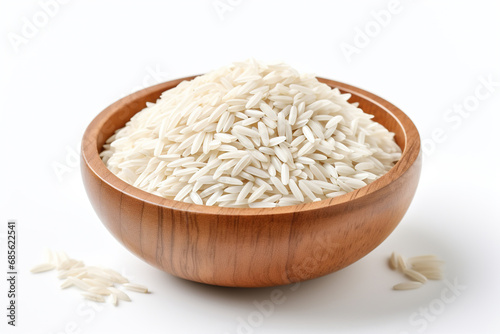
251 247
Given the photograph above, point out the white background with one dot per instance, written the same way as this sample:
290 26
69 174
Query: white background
430 57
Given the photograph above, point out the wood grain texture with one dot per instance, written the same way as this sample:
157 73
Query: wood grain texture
251 247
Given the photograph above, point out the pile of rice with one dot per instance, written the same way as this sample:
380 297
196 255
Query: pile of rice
251 135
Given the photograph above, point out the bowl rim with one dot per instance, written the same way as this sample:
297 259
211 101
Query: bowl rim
90 156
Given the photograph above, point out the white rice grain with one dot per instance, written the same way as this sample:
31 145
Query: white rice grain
415 275
296 191
119 294
257 194
407 286
249 124
94 297
136 287
42 268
